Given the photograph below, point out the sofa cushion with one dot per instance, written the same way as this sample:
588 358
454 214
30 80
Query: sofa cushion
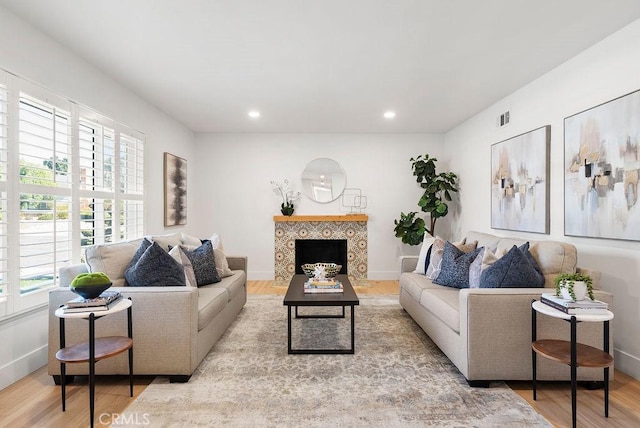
414 283
234 283
190 240
211 301
112 259
455 266
511 271
203 263
153 266
166 242
444 303
553 257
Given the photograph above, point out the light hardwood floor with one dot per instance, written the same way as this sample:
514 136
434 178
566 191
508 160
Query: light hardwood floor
34 401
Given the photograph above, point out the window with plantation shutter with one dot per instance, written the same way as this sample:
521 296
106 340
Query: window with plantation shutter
3 189
44 150
69 178
132 185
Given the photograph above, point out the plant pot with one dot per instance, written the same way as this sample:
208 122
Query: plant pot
287 209
579 289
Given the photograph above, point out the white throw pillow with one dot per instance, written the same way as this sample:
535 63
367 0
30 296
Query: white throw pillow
427 241
179 256
222 265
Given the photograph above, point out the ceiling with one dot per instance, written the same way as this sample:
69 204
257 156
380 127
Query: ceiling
325 66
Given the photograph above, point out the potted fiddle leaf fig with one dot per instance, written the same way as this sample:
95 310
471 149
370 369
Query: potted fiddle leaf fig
574 286
437 189
410 229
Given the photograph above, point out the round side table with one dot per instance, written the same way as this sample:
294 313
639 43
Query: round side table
570 352
95 349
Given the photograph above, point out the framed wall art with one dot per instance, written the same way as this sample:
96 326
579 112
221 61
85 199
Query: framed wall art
601 170
520 182
175 190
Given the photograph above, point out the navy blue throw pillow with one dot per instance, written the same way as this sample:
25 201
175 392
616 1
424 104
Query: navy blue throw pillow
153 266
455 266
204 265
428 259
513 270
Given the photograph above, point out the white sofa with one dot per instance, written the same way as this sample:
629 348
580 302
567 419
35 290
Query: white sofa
174 327
486 332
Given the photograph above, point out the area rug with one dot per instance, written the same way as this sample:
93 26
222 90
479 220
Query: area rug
397 378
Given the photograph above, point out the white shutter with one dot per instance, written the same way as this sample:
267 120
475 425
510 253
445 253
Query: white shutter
4 231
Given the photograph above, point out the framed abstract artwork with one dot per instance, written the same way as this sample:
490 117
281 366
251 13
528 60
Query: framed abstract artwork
520 182
175 190
601 170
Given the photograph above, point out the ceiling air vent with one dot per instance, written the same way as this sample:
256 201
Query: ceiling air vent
503 119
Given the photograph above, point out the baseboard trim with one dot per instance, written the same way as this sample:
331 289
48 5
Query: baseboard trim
627 363
21 367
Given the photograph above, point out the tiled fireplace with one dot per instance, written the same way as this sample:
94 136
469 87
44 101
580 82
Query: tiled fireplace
352 228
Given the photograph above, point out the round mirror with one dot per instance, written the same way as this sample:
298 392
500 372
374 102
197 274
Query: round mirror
323 180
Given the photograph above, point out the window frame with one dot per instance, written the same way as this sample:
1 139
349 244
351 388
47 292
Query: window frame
12 299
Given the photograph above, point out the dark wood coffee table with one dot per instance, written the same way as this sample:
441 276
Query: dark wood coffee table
296 297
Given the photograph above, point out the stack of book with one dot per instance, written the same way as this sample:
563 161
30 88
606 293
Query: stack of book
323 286
103 302
581 307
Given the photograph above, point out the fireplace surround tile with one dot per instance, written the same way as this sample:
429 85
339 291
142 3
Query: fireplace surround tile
353 228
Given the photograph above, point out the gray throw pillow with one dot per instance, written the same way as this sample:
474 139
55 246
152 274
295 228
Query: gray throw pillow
153 266
204 264
513 270
454 270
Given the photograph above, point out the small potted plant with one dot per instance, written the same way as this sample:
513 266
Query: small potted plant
574 286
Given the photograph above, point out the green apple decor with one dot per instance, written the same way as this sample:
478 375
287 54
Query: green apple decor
90 285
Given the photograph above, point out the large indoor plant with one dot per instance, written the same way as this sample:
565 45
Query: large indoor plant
437 188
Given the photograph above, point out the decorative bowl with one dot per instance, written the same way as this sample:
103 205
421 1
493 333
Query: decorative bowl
90 291
90 285
330 269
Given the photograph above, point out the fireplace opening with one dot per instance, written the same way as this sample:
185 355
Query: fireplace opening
321 251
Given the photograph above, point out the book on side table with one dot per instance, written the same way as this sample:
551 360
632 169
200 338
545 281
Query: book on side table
581 307
101 303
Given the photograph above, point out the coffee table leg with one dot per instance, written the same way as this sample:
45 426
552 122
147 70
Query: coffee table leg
289 327
353 328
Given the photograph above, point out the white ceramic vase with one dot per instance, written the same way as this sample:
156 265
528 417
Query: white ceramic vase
579 289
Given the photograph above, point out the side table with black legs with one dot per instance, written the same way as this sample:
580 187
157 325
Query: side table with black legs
95 349
571 352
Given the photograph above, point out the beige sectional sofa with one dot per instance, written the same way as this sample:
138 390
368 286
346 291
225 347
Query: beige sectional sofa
174 327
486 332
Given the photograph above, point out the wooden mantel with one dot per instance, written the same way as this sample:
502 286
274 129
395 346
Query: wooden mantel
342 217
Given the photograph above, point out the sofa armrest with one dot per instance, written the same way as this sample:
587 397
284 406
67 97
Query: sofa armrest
595 275
237 263
500 318
408 263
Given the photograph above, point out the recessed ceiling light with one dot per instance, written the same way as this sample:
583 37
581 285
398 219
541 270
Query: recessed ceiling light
389 114
254 114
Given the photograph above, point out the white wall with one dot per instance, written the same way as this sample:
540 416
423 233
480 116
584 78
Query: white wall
236 200
29 54
606 71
